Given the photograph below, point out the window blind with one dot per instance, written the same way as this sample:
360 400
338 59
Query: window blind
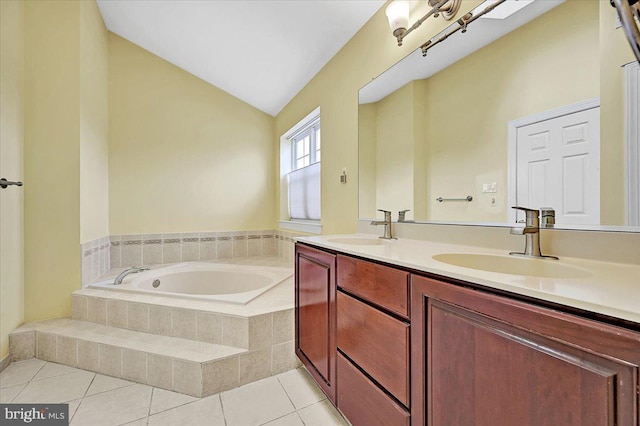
304 193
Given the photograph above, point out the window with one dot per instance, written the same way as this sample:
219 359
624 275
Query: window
306 146
300 151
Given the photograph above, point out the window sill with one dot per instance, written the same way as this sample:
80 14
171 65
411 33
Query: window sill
311 227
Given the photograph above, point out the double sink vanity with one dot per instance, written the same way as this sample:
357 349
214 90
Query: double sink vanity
400 332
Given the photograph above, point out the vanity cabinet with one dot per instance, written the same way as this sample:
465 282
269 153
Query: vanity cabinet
392 346
483 359
315 315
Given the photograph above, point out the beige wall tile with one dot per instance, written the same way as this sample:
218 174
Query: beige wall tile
224 249
117 313
283 326
79 307
172 252
220 375
160 320
254 365
88 358
209 327
283 358
131 253
134 365
183 323
22 345
97 310
187 377
67 350
110 360
46 346
235 331
137 316
260 330
151 253
160 371
190 251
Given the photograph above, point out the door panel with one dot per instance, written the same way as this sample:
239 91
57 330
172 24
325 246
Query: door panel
558 166
483 359
315 315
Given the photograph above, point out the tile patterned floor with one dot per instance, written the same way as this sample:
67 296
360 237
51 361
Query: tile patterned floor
288 399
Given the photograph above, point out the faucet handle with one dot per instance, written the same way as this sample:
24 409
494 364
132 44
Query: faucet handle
387 214
402 214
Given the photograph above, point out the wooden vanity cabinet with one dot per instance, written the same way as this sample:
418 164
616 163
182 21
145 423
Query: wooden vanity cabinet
390 347
482 359
315 315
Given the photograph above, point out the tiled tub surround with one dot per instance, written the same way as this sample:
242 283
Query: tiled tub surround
192 347
100 255
95 259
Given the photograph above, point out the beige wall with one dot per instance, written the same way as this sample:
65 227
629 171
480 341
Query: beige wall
94 143
11 158
367 158
184 156
614 53
64 124
394 151
531 70
335 89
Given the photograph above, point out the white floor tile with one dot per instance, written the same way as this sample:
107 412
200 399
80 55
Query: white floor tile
7 394
56 389
52 370
292 419
115 407
139 422
321 414
206 411
163 400
301 388
256 403
20 372
105 383
73 407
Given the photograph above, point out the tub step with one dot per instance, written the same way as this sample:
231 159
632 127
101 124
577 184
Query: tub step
265 323
181 365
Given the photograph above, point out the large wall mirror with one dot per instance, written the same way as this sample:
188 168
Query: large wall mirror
535 105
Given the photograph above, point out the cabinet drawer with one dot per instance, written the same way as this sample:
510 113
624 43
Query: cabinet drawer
362 402
377 342
384 286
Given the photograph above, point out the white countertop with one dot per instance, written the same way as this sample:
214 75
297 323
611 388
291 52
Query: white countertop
607 288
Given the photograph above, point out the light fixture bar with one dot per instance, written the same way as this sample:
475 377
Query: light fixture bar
462 25
437 8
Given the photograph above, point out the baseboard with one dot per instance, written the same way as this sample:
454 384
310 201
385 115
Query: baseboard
4 362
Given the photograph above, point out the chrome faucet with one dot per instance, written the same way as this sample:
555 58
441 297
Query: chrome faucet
387 224
132 270
531 231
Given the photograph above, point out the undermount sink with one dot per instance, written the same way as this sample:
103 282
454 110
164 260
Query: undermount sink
354 241
530 267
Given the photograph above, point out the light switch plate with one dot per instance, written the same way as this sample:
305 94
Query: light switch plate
490 188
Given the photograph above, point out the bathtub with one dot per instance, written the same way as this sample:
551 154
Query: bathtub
203 281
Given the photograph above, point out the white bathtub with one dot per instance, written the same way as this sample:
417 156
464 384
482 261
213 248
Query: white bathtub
203 281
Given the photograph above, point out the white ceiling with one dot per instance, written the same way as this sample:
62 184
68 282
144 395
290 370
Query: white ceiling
261 51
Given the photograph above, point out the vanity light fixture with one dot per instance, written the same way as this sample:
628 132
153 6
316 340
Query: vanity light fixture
462 26
398 15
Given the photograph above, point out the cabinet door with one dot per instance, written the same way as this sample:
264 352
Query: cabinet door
315 315
480 359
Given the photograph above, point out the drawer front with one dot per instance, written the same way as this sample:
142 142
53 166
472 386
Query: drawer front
378 343
363 403
384 286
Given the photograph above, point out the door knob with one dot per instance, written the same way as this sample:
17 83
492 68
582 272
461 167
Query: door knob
5 183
